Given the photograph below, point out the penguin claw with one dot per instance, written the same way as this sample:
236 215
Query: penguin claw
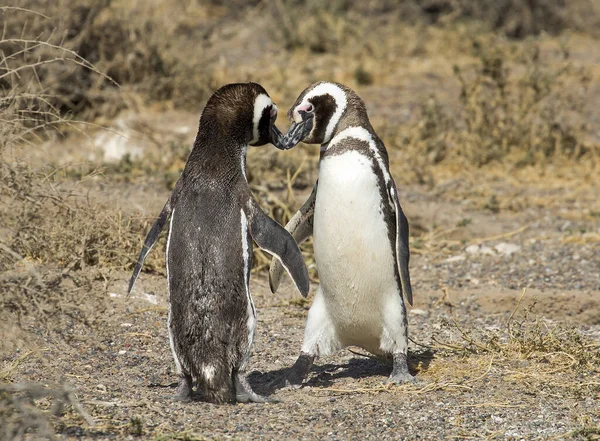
401 378
184 391
400 373
283 382
245 394
180 399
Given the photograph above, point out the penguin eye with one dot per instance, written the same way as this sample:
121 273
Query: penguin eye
310 108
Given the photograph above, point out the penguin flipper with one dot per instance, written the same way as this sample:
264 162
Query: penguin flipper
402 247
274 239
149 242
300 227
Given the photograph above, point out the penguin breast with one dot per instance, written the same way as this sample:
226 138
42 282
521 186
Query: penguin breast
352 246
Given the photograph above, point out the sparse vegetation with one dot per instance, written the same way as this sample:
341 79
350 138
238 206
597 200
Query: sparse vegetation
548 354
469 96
521 121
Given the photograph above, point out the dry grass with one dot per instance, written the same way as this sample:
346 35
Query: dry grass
51 230
21 416
508 107
130 49
534 116
530 351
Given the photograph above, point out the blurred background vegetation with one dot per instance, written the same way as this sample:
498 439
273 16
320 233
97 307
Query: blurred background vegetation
487 104
452 86
461 71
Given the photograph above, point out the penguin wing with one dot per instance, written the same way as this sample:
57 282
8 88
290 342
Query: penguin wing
402 248
274 239
301 228
151 239
153 234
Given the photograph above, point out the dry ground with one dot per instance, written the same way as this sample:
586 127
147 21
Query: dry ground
494 142
542 382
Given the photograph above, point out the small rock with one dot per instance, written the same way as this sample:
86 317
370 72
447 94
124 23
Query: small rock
122 351
472 249
101 388
149 297
486 250
417 311
458 258
507 248
479 249
127 325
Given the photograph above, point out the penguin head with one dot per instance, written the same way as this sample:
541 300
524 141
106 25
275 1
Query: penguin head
317 112
244 112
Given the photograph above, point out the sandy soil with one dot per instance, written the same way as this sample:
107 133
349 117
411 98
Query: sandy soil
489 365
119 361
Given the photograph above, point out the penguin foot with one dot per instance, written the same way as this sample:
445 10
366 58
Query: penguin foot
404 378
245 394
296 375
184 389
400 373
284 382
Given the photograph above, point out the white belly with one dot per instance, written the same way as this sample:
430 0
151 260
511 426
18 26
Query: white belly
353 251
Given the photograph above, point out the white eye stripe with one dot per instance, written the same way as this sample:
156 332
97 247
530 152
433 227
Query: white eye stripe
260 103
340 100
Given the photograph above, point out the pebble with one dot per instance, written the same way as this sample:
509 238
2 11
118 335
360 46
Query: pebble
507 249
479 249
458 258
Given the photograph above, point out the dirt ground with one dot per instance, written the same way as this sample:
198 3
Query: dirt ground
120 364
505 254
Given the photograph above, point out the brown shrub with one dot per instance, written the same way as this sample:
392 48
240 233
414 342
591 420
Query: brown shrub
523 117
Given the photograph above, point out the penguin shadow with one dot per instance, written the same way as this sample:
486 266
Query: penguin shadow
356 368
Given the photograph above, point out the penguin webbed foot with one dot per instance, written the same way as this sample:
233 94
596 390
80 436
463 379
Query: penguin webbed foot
401 378
285 382
400 373
296 375
183 393
245 394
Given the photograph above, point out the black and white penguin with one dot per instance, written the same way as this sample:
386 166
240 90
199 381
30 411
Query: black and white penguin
213 219
360 235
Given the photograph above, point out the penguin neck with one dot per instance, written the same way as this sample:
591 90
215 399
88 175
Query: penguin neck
352 117
222 156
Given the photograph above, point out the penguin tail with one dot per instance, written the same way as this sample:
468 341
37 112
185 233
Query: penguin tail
219 389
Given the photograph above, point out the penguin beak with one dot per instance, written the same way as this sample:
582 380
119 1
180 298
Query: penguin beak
302 124
296 133
278 139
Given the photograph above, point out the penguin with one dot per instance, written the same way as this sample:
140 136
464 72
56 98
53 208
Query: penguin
360 236
213 219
